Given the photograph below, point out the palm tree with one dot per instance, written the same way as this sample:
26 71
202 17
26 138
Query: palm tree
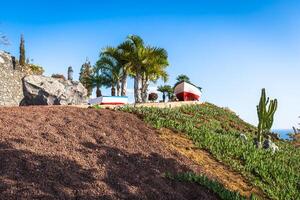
182 78
98 80
145 64
117 55
166 90
133 51
154 68
112 71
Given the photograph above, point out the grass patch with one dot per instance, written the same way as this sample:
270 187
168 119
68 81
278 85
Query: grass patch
215 186
217 131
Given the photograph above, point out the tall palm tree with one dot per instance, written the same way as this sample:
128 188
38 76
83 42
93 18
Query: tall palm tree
154 68
112 71
133 50
145 64
117 55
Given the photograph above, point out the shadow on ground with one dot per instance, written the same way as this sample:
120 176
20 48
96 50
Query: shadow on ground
26 175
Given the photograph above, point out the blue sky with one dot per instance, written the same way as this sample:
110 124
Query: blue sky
230 48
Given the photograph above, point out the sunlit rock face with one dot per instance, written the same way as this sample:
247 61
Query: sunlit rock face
11 89
42 90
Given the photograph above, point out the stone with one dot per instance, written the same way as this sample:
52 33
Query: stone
243 137
268 144
42 90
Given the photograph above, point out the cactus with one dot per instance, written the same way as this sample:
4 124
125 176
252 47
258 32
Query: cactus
265 111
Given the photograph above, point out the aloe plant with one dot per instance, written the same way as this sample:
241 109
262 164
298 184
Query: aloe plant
265 111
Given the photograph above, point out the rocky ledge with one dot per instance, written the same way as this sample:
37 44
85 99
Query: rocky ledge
42 90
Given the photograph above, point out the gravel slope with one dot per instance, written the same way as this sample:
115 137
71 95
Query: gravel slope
76 153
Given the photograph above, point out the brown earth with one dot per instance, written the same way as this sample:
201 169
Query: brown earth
76 153
210 166
297 140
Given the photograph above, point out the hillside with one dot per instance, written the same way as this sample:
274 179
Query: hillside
217 131
188 152
73 153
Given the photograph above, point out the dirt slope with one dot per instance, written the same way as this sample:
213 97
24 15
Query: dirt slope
210 166
74 153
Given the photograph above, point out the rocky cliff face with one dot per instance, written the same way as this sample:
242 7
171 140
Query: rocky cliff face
42 90
19 88
11 89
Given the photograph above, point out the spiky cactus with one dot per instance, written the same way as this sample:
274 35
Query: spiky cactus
265 111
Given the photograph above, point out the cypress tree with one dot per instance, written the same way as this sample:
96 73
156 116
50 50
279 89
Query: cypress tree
85 77
22 52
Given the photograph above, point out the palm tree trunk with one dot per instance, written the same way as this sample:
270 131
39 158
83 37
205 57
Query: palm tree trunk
164 97
169 96
137 89
124 85
145 85
118 88
98 91
113 91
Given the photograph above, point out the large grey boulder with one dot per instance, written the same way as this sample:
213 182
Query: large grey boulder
42 90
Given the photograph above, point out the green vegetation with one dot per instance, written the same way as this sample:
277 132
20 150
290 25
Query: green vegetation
166 90
111 70
180 78
35 69
25 65
215 186
265 111
85 77
97 81
22 52
217 130
133 58
146 64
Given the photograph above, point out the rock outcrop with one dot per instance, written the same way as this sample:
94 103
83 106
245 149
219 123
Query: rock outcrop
11 92
42 90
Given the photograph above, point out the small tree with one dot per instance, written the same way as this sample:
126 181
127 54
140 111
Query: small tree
167 90
265 111
152 97
85 77
97 81
35 69
22 59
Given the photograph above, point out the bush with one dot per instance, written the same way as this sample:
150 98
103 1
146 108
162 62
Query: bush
33 69
152 97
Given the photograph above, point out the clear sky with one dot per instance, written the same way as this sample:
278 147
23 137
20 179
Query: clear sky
230 48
